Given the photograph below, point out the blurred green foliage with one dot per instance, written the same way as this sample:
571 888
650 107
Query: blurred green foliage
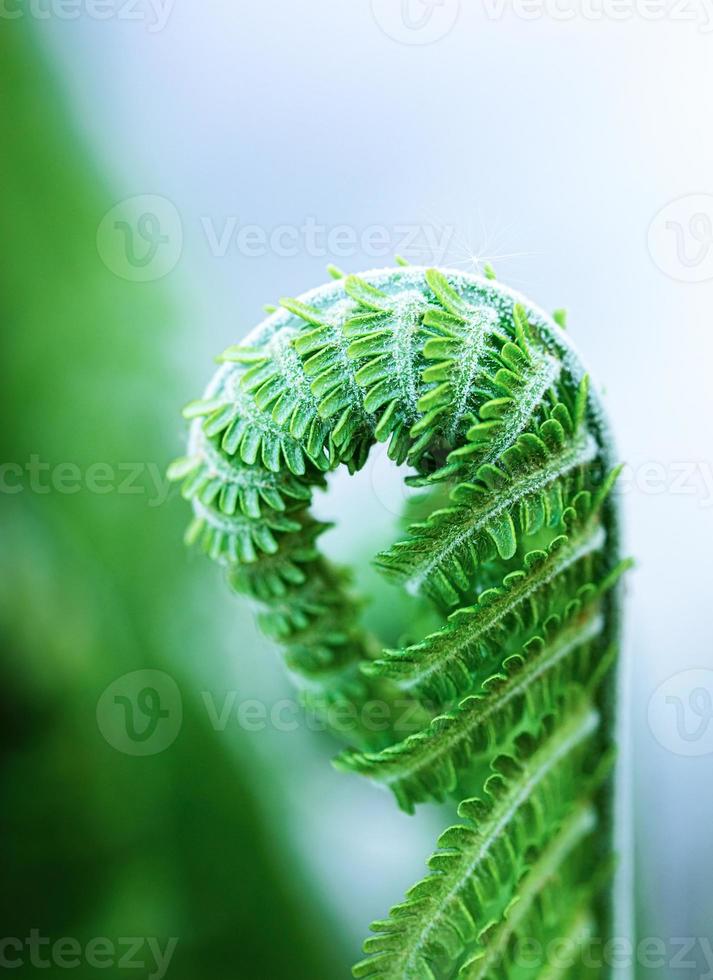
93 585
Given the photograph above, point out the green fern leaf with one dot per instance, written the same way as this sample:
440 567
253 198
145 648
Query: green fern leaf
514 543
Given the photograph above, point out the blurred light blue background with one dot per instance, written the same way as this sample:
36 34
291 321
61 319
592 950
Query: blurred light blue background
545 146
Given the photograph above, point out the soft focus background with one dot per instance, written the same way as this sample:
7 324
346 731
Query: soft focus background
167 167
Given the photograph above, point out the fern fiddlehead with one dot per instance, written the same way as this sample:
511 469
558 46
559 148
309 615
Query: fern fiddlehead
482 395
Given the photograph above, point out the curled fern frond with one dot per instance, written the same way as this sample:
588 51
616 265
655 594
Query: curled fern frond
514 543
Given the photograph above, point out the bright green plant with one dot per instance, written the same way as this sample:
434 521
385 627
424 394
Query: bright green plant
481 394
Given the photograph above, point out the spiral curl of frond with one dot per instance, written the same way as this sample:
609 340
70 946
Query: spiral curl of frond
482 395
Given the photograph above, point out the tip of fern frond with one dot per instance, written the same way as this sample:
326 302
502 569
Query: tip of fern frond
201 406
240 354
347 761
560 318
180 468
616 573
